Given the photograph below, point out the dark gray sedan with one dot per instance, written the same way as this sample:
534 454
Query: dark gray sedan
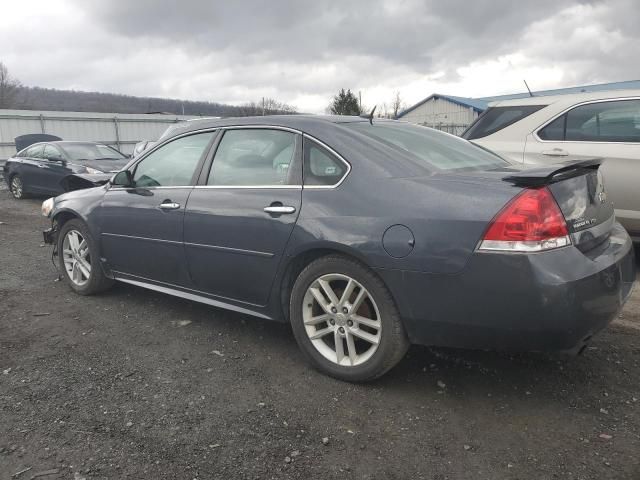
43 168
365 236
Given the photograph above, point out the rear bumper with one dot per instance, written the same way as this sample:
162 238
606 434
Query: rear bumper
551 301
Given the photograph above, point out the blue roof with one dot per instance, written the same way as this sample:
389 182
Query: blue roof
481 104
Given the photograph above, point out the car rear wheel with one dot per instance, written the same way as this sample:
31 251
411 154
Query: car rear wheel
79 260
345 320
17 187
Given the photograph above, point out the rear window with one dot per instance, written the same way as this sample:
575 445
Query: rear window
436 149
497 118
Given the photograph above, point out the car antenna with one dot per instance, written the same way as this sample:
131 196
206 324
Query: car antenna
370 115
525 84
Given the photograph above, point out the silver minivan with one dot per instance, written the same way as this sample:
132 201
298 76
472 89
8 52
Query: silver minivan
553 129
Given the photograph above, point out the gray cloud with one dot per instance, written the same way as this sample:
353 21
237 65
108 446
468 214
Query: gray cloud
301 51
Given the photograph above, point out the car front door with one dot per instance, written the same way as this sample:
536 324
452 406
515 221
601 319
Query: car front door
606 129
142 225
240 216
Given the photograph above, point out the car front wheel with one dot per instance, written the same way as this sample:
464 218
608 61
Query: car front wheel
345 320
17 187
79 260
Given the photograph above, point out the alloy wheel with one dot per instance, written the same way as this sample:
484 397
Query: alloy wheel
76 257
341 319
16 187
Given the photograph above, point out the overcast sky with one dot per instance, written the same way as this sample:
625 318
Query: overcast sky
302 52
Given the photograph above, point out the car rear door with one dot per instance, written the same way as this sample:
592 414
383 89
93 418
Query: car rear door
142 226
605 129
29 165
240 216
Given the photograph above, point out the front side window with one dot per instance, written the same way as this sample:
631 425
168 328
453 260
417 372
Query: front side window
497 118
173 164
254 157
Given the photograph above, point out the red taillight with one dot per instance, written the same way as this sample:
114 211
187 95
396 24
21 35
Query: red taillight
531 222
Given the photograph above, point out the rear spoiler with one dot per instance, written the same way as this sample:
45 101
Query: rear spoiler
547 174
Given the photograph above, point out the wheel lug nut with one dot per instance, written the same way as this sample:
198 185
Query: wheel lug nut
345 310
350 323
334 310
341 329
332 321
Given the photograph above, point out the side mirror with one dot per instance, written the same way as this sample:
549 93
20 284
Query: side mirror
122 179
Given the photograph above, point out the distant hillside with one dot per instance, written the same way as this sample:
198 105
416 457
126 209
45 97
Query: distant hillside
36 98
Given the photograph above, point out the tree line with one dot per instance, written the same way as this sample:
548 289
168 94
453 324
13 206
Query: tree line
14 95
17 96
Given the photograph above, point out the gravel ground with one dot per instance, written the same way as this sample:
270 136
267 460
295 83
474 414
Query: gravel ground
134 384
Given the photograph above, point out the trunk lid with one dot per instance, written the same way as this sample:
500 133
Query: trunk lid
577 187
579 190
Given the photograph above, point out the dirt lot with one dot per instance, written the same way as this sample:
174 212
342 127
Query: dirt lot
134 384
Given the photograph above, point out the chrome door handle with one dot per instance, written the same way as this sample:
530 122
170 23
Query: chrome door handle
279 209
169 205
41 165
556 152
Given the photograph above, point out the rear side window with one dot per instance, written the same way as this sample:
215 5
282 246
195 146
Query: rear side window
555 131
605 122
497 118
617 121
321 167
33 152
254 157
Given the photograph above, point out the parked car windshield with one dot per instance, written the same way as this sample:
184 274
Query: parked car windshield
91 151
439 150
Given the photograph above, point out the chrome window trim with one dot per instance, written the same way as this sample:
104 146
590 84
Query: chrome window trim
253 187
237 127
568 109
172 187
334 153
263 127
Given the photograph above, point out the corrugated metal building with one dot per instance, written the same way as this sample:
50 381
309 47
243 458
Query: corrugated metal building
454 114
444 112
121 131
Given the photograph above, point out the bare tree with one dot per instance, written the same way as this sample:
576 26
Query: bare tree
9 88
267 106
397 105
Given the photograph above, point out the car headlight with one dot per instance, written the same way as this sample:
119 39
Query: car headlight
93 171
47 206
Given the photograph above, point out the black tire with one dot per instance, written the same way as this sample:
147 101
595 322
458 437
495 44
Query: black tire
393 343
97 281
16 187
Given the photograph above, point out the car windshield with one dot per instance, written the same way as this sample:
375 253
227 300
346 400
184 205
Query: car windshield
91 151
438 150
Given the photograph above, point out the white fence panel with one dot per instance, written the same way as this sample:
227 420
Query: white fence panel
121 131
